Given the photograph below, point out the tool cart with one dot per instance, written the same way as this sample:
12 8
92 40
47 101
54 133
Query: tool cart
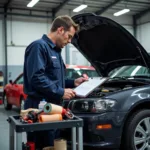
16 128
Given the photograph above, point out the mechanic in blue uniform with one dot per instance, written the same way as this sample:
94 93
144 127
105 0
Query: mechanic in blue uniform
44 73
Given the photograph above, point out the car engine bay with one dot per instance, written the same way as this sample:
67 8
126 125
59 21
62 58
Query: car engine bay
111 86
114 86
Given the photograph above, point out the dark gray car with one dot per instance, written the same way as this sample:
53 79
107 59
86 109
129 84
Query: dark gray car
116 114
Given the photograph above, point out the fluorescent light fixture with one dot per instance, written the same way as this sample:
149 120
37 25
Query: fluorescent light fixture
32 3
79 8
121 12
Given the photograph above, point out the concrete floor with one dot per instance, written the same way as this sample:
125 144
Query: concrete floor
4 127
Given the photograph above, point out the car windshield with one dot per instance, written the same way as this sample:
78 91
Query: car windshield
130 71
78 72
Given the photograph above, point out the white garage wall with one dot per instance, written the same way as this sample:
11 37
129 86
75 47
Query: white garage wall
143 31
128 28
22 33
144 19
15 56
76 58
143 35
123 19
2 55
1 42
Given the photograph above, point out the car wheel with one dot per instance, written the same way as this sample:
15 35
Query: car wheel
6 105
137 131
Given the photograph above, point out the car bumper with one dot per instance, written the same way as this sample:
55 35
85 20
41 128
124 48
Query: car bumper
101 138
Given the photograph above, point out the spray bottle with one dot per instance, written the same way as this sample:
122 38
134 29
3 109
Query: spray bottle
41 104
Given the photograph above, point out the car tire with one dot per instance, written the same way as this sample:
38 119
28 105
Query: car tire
5 102
137 131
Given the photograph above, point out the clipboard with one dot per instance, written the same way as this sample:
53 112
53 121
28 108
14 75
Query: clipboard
87 87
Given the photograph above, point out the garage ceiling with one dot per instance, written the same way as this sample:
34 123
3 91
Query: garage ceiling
95 6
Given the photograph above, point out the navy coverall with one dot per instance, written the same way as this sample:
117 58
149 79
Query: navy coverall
44 77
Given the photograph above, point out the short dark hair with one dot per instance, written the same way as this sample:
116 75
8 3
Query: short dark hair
64 21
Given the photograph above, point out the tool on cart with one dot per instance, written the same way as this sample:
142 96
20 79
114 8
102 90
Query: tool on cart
50 118
60 144
49 148
49 113
56 109
50 108
69 114
25 112
28 146
31 117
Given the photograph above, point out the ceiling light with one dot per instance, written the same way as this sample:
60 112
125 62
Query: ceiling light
32 3
79 8
121 12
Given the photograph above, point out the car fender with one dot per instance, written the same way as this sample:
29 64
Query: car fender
138 105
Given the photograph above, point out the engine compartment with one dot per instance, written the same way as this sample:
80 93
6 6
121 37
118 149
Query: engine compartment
111 86
114 86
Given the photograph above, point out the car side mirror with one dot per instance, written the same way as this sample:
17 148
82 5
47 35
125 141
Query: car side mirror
10 81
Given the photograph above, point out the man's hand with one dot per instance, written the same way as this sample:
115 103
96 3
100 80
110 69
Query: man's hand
69 94
80 80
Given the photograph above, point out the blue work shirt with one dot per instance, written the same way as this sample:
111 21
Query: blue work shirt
44 72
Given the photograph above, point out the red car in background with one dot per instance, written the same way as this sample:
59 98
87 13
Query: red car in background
13 92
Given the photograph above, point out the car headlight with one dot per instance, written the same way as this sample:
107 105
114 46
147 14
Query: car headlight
92 106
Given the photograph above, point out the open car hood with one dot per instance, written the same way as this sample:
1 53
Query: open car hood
106 44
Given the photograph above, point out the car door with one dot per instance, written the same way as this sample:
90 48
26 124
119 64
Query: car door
16 90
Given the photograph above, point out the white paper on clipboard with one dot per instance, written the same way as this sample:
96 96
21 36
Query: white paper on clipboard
87 87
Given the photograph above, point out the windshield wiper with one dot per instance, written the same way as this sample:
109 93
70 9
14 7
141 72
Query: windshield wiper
132 77
123 78
138 76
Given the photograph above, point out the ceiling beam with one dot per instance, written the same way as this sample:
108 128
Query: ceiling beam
55 10
142 13
107 7
138 2
29 9
7 3
25 15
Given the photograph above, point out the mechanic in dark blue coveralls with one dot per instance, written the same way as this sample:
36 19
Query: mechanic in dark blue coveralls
44 73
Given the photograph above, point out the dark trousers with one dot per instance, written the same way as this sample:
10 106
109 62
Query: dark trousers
43 138
40 138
